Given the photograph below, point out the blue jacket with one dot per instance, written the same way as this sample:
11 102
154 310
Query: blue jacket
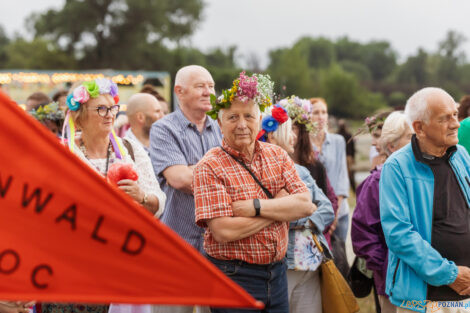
406 210
322 217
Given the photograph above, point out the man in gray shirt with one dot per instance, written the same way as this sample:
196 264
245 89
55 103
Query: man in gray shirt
177 142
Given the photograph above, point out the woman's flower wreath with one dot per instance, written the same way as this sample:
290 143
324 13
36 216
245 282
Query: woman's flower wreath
271 122
92 89
299 111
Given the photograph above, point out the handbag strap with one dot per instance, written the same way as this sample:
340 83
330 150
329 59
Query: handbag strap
266 191
321 249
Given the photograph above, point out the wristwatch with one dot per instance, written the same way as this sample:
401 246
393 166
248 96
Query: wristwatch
257 206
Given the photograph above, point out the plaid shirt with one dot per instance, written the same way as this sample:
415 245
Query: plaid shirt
219 180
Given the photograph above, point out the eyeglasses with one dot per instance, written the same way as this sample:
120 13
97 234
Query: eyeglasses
103 110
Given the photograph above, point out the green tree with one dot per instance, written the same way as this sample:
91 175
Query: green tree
380 58
397 99
358 69
377 56
320 52
4 41
451 56
415 70
346 97
115 33
37 54
290 70
348 50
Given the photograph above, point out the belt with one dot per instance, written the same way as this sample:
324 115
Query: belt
246 264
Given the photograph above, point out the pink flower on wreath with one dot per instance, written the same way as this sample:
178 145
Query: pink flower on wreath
306 106
247 87
80 94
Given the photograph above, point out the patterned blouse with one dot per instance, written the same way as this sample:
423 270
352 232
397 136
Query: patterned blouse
143 166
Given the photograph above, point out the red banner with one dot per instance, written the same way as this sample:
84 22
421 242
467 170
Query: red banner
69 236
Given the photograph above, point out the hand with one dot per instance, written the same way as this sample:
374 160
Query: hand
462 283
132 189
243 208
333 226
281 193
15 306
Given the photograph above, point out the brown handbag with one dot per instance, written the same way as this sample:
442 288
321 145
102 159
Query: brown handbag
336 295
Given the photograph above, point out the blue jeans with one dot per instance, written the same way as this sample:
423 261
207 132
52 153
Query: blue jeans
266 283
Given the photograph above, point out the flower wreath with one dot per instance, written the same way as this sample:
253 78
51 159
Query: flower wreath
299 111
372 123
258 87
270 123
50 112
92 89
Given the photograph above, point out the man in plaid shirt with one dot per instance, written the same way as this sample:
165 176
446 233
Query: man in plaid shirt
250 250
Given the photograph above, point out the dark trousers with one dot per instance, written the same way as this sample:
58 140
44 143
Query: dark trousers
266 283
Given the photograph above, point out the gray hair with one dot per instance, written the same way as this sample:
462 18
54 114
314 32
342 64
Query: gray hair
416 108
183 74
394 127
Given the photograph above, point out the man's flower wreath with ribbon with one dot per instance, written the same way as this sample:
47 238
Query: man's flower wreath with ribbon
257 87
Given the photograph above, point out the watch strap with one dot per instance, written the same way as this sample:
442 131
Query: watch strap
257 205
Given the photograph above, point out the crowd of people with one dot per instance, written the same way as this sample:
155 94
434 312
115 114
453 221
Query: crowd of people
253 184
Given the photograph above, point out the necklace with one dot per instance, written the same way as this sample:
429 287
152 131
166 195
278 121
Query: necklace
108 154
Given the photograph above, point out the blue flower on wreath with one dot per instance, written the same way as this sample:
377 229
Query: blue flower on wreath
72 104
269 124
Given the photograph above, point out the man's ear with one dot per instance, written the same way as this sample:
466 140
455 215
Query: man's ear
178 90
418 127
140 117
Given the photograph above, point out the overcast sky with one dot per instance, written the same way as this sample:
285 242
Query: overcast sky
256 26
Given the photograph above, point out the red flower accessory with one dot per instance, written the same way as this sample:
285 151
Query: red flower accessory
279 114
116 99
120 171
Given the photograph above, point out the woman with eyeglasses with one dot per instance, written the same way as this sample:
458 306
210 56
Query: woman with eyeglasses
92 110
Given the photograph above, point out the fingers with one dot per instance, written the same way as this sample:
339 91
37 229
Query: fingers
126 182
29 304
465 292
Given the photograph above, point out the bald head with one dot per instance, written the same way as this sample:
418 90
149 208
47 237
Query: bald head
140 102
143 109
187 74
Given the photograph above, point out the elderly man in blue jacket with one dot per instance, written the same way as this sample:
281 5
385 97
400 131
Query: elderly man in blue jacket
424 208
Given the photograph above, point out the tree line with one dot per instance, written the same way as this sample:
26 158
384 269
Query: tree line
355 78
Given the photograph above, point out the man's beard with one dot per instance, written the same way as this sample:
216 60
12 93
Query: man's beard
147 125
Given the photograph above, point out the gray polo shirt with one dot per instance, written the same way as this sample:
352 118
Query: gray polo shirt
174 140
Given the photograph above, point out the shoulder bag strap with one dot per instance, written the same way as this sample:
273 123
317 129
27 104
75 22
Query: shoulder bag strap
129 148
266 191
